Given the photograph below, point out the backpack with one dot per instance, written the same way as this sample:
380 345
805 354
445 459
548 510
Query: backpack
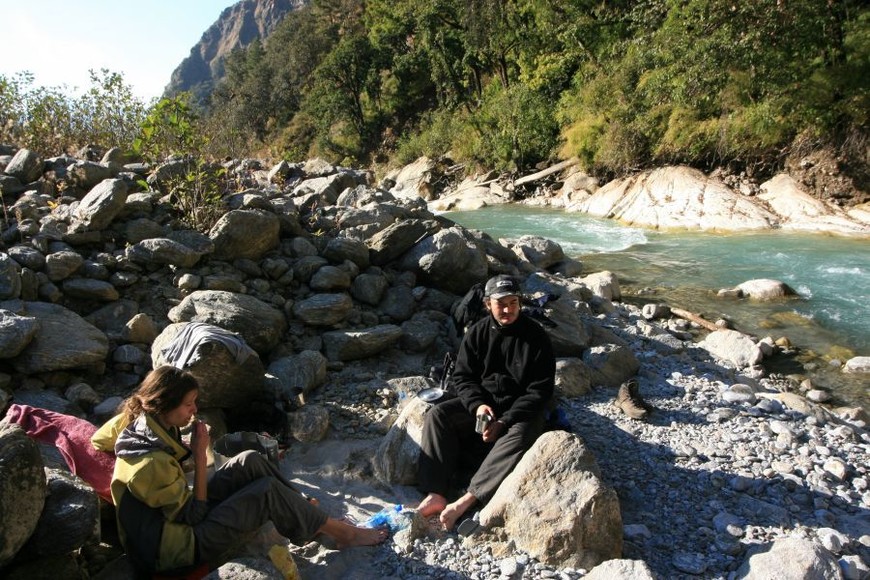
468 310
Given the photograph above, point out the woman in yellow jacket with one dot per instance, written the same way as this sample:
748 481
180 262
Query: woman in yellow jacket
166 525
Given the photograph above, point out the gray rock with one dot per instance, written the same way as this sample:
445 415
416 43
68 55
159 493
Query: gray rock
245 234
340 249
64 340
223 381
323 309
419 333
63 264
732 346
305 267
655 311
397 238
739 393
341 345
27 256
163 251
330 279
858 364
398 304
395 461
541 252
619 569
22 489
301 373
10 278
69 519
854 568
573 378
449 260
261 325
610 365
26 166
88 289
603 284
369 288
87 174
555 507
790 557
101 205
140 328
16 332
246 568
309 424
142 229
764 289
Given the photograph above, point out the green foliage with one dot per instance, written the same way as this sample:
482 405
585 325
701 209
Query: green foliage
170 128
49 119
197 194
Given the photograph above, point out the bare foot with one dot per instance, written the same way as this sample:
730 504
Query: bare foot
455 510
347 535
431 505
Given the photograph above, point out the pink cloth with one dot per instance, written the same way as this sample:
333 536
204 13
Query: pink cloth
72 437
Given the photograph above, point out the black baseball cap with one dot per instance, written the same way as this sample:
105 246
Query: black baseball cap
501 286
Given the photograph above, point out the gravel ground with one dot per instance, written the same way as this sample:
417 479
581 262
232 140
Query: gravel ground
712 472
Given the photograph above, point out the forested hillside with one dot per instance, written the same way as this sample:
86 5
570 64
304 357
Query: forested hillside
507 84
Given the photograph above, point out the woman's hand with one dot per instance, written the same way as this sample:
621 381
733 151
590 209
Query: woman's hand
199 441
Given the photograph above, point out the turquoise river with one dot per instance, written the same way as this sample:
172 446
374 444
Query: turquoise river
829 321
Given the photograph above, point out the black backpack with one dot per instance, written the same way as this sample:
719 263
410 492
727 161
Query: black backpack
468 310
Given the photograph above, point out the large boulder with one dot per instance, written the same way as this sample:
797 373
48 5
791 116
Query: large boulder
415 179
800 211
224 382
323 309
555 506
346 345
793 558
70 518
395 462
397 238
573 378
541 252
22 489
449 260
732 346
603 284
16 332
63 341
610 364
621 570
300 373
765 289
857 364
101 205
245 234
163 251
261 325
10 278
26 166
676 197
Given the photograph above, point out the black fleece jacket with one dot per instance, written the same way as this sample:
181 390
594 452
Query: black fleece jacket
510 368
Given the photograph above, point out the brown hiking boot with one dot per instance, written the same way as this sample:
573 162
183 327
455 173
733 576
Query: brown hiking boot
629 401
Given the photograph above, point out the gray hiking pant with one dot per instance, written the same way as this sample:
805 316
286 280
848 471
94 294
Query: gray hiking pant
245 493
450 443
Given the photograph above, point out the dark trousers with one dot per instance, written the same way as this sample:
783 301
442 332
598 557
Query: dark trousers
450 442
245 493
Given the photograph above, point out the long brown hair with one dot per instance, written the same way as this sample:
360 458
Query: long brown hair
162 390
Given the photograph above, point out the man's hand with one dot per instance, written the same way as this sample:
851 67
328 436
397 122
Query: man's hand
495 428
494 431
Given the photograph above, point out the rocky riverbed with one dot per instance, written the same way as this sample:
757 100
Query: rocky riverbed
716 474
344 289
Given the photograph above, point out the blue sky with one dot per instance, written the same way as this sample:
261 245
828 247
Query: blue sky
59 41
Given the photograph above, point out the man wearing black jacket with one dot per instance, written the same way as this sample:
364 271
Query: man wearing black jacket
504 379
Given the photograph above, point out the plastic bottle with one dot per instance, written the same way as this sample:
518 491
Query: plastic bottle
393 517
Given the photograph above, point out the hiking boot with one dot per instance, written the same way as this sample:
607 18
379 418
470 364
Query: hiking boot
629 401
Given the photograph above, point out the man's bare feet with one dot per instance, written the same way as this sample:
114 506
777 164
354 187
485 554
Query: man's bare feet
454 511
347 535
431 505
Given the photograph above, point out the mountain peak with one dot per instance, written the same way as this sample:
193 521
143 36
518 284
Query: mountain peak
237 27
